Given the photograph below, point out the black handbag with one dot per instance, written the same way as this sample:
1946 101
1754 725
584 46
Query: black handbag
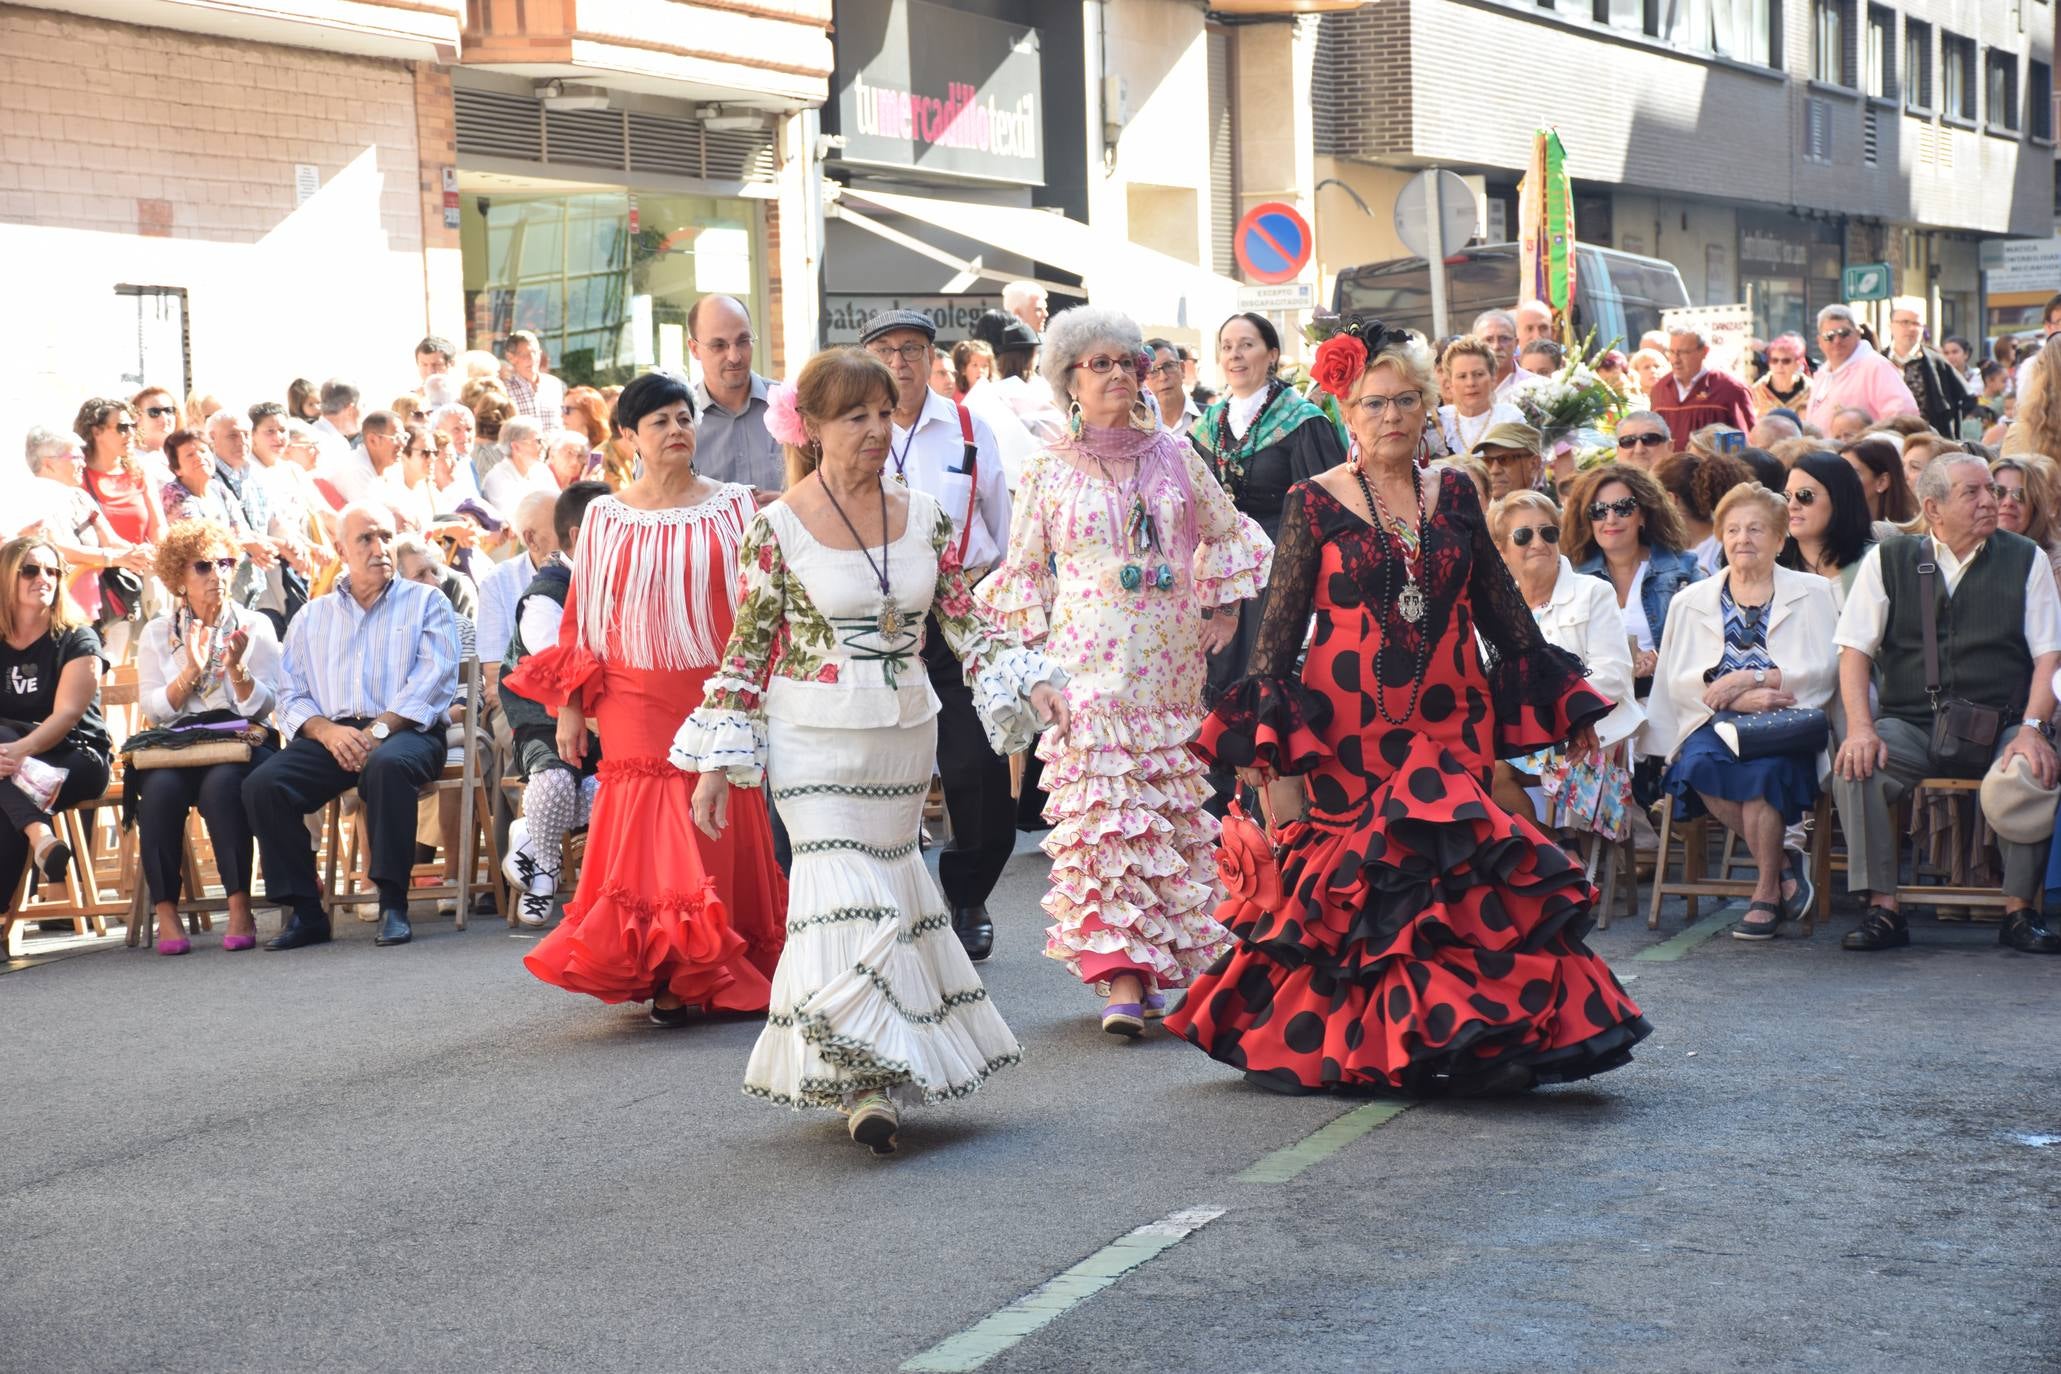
121 595
1768 734
1964 733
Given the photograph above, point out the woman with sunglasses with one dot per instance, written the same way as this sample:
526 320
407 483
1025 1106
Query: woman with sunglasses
1785 386
1258 439
1829 528
207 661
1621 527
1578 614
49 709
1755 638
2028 491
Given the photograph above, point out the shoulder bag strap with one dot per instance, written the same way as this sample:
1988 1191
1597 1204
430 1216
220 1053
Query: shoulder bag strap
971 462
1928 623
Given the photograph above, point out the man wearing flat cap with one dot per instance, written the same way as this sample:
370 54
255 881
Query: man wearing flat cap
940 447
1510 450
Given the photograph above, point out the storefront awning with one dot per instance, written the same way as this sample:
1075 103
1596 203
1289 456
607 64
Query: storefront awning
1157 290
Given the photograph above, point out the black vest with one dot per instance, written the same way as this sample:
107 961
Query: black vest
1983 656
553 580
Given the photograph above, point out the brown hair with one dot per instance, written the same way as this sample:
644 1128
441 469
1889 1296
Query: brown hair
1467 345
1906 424
176 443
1659 526
1787 451
964 352
2039 402
185 542
589 415
1880 457
1699 481
303 396
2042 485
64 612
831 383
490 405
105 410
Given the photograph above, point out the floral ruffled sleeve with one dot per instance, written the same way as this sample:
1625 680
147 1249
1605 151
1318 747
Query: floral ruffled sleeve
1017 596
999 669
1233 557
727 733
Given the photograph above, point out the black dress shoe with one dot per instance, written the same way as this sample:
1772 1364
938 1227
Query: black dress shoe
393 927
975 931
300 931
1881 928
2027 931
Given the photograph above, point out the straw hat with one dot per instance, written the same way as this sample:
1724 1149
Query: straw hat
2018 808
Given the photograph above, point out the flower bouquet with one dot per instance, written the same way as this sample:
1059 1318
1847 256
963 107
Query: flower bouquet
1570 407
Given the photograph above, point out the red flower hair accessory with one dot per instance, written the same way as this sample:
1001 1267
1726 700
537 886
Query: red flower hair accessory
1340 362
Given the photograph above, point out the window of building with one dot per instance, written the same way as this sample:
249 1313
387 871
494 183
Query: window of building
1828 42
1622 14
1878 69
2000 89
1957 73
2039 105
1917 65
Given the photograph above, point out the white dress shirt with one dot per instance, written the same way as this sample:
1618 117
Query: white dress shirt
1866 616
161 656
351 472
931 458
498 596
343 660
1012 436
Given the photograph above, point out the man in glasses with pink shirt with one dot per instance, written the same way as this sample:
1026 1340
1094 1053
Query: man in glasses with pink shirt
1854 376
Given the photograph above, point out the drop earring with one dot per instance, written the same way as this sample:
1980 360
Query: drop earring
1074 422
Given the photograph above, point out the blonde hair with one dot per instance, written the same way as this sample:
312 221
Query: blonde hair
2042 487
1467 346
1506 506
1476 471
1411 357
64 612
831 383
1771 505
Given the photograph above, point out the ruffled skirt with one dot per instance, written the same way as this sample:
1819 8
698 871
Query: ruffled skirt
874 991
1425 942
1132 876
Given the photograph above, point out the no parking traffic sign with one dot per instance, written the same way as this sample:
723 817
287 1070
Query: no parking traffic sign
1273 243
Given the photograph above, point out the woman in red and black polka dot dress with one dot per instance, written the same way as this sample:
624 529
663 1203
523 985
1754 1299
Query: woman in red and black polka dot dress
1414 937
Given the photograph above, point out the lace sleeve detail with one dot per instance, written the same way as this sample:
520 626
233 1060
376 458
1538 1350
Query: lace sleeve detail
1537 687
1291 592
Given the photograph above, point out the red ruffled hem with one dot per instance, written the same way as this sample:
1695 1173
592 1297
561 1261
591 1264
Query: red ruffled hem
619 947
551 677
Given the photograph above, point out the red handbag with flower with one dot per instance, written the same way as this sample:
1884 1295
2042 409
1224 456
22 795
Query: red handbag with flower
1246 863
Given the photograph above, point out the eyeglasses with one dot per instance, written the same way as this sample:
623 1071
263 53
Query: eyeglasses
1102 363
31 571
1783 358
1405 403
1628 440
1623 506
160 412
2004 493
908 353
1835 335
1803 496
223 566
1171 369
741 342
124 426
1521 536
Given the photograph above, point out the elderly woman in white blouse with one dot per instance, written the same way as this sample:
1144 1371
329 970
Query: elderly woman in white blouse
1580 615
206 665
1756 638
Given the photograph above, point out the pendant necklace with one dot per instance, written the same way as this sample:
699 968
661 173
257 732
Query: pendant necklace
1136 530
889 621
1409 542
900 459
1409 602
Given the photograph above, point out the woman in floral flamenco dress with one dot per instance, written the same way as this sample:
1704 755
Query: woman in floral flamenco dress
1414 936
876 1007
1127 560
661 912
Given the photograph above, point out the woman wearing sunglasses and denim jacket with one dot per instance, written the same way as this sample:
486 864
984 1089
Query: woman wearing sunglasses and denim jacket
206 660
1621 527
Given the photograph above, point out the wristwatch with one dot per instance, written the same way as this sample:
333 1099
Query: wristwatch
1760 677
380 730
2035 723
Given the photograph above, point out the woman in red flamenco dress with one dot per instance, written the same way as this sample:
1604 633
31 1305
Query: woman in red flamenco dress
662 911
1414 937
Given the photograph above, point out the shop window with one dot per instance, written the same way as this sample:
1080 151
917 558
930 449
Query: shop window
1917 65
1829 28
1957 72
2000 89
1879 72
2039 103
609 303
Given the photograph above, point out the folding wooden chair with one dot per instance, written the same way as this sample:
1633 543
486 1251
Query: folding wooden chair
1695 882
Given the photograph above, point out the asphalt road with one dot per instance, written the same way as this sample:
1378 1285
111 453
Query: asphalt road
352 1158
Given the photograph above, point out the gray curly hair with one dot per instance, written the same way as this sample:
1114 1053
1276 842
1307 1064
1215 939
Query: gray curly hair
1073 334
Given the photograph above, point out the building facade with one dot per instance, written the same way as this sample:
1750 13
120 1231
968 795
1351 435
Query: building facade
1760 145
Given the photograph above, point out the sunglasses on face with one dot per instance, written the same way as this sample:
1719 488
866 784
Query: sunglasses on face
160 412
223 566
1628 440
1804 496
2004 493
123 426
1835 335
1521 536
1623 506
31 571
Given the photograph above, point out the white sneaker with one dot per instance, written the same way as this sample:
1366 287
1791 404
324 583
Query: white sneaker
523 871
533 909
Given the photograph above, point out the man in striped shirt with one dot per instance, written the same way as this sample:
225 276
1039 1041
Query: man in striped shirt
369 672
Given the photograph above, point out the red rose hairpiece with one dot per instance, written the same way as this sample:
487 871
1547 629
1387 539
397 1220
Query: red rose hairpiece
1340 361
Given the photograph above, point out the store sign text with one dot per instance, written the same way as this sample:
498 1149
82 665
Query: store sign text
961 120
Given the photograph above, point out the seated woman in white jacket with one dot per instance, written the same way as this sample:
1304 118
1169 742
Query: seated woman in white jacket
1578 614
1754 638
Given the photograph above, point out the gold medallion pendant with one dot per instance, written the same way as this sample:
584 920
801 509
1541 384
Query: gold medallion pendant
890 620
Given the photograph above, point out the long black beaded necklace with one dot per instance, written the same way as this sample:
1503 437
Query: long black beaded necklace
1230 458
1408 599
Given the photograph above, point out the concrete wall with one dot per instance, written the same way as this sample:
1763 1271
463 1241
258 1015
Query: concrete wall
153 157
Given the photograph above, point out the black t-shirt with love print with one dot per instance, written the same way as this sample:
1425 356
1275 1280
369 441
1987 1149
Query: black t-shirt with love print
28 683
